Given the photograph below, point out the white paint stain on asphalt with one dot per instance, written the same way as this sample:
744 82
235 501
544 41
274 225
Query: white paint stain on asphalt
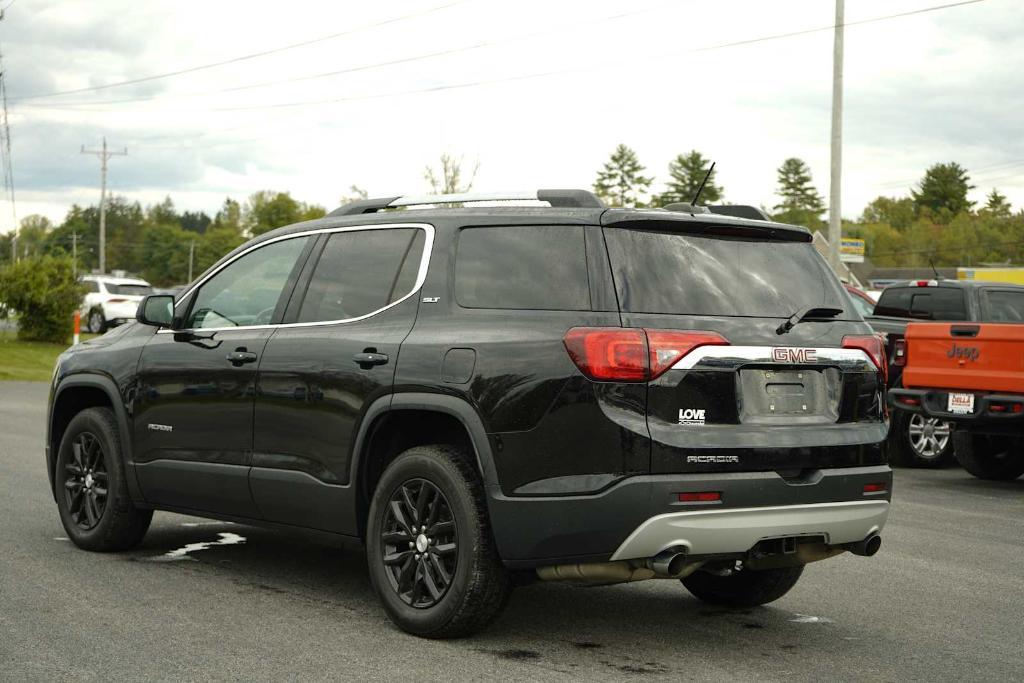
183 552
62 538
195 524
808 619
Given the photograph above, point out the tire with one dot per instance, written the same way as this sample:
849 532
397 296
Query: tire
920 441
91 488
458 540
96 322
990 457
742 588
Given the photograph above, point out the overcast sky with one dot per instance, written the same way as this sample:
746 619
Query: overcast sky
551 87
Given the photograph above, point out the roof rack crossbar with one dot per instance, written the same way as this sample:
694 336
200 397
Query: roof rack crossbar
556 198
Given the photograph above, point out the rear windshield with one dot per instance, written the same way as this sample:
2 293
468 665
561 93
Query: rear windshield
128 290
660 272
923 303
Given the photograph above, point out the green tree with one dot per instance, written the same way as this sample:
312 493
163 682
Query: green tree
686 173
229 216
354 194
996 204
33 232
267 210
164 254
163 213
214 244
448 178
801 204
621 181
897 212
195 221
943 191
45 294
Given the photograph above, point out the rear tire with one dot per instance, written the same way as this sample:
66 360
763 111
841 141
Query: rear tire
91 487
920 441
96 322
996 458
744 588
432 557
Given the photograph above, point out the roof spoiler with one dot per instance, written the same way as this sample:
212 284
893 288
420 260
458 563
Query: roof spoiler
735 210
565 199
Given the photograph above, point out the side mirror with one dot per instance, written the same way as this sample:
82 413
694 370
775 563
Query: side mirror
156 310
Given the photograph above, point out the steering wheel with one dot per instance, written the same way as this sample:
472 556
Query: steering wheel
264 316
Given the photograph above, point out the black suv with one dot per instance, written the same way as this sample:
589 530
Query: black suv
494 394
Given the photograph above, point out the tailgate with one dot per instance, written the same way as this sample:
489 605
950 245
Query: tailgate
970 356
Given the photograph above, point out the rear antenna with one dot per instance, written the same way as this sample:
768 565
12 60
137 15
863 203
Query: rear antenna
702 184
931 262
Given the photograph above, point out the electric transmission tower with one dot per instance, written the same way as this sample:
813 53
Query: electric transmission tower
104 154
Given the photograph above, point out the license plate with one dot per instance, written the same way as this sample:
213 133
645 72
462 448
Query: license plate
961 403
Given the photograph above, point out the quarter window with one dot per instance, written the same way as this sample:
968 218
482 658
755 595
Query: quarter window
1005 306
361 272
528 267
247 291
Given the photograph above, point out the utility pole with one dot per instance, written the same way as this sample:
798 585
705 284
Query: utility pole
104 156
74 254
191 254
835 216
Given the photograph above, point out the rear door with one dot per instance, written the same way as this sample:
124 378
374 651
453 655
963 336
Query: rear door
761 400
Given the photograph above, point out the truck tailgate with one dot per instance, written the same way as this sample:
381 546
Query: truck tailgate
970 356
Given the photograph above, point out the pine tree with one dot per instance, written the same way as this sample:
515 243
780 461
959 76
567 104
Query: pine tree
620 182
997 205
943 191
687 171
801 204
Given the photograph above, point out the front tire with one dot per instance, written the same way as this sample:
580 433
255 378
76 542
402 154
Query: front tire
432 558
92 490
920 441
743 588
996 458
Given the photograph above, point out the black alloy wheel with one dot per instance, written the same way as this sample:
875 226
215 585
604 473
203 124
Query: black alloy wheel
419 543
86 482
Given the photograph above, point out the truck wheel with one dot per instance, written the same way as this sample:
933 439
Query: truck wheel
999 458
920 441
92 491
433 560
743 588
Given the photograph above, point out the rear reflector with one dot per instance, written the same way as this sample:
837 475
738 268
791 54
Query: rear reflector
909 400
874 488
926 283
870 344
700 497
629 354
1006 407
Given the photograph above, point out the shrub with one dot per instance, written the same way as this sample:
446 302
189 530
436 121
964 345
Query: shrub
45 294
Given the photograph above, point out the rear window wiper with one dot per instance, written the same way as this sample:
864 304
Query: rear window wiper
804 314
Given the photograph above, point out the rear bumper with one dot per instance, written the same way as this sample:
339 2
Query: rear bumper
723 532
933 403
641 515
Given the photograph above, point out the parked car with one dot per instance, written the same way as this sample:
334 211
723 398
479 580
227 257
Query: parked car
971 375
863 303
490 395
919 439
111 301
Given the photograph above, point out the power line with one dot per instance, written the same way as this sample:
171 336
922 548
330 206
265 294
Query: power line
242 58
104 156
557 29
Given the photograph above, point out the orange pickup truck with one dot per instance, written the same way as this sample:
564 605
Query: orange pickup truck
971 374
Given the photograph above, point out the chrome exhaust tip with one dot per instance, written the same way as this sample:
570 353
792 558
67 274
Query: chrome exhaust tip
668 563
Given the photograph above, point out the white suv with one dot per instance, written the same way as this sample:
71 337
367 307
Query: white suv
111 300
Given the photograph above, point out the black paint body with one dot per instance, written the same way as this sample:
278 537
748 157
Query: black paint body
571 466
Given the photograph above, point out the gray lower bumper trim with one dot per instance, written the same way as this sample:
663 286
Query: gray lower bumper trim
737 530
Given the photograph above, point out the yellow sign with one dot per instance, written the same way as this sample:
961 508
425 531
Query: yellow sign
851 250
1008 275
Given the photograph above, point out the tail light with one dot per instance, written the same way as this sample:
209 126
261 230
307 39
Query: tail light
629 354
872 346
899 353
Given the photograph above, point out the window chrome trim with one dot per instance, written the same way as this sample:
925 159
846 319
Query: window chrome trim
421 276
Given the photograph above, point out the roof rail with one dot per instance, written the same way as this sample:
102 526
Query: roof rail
574 199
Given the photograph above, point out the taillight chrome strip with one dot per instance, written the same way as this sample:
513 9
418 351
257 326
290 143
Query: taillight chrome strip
734 356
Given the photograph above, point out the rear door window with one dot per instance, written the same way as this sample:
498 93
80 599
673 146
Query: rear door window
527 267
688 274
1005 305
362 271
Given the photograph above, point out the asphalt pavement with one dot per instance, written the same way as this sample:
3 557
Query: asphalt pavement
202 600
